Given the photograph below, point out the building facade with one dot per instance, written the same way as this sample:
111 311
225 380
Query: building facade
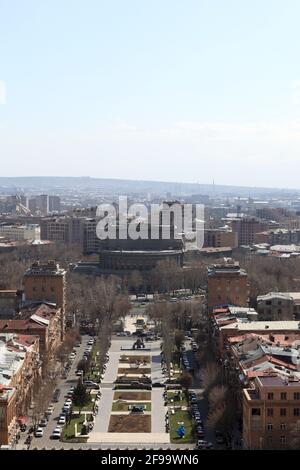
46 282
227 284
271 413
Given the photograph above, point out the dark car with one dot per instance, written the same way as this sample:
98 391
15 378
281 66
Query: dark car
56 395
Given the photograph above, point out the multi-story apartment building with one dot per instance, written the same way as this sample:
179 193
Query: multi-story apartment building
54 204
8 418
275 306
17 232
10 301
45 282
279 306
217 238
19 371
227 284
246 228
41 320
71 230
271 413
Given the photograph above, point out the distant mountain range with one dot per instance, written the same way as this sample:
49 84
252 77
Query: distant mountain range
120 186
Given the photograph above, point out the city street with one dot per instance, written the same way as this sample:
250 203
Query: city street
63 385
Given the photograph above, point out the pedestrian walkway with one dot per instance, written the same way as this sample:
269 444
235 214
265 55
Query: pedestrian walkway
102 419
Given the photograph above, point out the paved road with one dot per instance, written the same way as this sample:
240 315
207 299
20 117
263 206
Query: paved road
63 385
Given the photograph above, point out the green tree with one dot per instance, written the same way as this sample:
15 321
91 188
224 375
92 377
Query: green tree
81 397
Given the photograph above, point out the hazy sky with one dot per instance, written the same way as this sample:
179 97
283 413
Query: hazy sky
177 90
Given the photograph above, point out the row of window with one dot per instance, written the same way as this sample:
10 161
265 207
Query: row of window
270 412
283 427
283 396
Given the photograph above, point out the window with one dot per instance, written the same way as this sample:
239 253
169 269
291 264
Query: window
283 396
282 411
282 440
270 412
297 396
270 396
269 427
296 411
255 411
283 427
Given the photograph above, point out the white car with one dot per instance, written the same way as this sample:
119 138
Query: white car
56 434
49 410
62 420
66 407
39 432
68 401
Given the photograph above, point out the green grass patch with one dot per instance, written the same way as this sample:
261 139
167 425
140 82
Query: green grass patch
119 406
69 430
182 402
181 416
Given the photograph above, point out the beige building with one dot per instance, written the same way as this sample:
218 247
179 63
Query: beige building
17 232
227 284
271 413
45 282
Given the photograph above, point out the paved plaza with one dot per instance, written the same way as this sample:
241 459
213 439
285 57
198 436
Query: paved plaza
100 434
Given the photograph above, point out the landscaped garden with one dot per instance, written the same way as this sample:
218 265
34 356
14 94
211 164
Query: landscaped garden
125 406
139 396
134 370
131 423
69 430
177 398
176 419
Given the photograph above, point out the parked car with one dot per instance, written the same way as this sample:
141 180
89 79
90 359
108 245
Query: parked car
66 407
49 410
79 373
56 395
62 420
90 384
43 422
56 434
39 432
201 444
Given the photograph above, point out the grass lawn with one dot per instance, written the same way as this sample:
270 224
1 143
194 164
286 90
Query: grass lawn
182 402
181 416
134 370
130 423
92 375
69 430
117 406
132 396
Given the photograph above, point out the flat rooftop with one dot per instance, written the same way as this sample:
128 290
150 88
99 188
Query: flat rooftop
263 325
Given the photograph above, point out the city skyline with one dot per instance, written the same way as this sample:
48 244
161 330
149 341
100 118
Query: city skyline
168 92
